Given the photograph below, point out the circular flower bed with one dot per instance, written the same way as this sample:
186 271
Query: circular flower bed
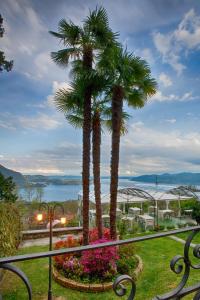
94 270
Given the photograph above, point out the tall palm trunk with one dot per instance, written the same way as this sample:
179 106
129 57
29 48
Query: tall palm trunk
117 103
96 152
87 63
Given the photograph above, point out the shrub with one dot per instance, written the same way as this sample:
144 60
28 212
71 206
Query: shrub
181 225
161 227
134 228
72 267
123 228
69 242
196 212
10 229
93 234
127 260
100 262
170 227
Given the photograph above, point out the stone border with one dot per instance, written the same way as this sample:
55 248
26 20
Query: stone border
94 287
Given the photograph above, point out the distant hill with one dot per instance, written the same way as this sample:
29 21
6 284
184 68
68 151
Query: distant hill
18 178
180 178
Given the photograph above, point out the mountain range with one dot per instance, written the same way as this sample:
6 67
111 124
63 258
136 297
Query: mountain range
185 178
18 178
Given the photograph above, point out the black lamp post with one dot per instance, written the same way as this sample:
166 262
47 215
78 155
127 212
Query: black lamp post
51 216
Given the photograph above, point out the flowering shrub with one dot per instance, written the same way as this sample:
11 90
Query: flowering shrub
72 267
95 265
100 262
127 260
69 242
93 234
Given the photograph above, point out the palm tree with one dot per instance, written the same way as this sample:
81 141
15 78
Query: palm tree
70 102
81 44
131 81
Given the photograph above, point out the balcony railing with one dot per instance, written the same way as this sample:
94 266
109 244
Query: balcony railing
180 264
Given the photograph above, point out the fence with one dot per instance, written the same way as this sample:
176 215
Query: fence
179 264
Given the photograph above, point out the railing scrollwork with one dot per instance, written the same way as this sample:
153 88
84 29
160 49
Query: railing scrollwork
21 275
120 290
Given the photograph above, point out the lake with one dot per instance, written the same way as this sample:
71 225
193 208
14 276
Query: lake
70 192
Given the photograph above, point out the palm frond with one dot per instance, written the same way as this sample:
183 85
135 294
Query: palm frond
136 98
71 32
56 34
76 120
62 57
68 101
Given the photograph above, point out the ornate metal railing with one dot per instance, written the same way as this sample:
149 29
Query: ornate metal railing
179 264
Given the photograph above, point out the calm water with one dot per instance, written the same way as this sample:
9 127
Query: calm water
70 192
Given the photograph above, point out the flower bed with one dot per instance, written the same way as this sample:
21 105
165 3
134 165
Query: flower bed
94 270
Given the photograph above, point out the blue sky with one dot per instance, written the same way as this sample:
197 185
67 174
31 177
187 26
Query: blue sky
162 137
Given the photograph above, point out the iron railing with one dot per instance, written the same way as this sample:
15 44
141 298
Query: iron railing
179 264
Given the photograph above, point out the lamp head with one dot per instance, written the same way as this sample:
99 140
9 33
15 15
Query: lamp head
63 220
39 217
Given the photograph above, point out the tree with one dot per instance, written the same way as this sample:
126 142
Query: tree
196 212
70 103
39 193
81 44
130 81
8 192
29 191
4 64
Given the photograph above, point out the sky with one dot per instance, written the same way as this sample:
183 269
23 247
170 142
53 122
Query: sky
164 136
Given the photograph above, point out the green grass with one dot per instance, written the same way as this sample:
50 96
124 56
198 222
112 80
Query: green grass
155 279
185 235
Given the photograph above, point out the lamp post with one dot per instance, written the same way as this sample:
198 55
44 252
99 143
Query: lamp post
51 216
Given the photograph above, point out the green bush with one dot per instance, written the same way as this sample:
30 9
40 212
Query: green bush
170 227
196 212
127 262
10 228
122 228
181 225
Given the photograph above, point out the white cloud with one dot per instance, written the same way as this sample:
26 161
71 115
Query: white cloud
171 121
27 31
160 97
149 150
188 32
146 54
55 87
182 40
165 79
40 121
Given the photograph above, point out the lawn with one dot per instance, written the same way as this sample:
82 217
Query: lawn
156 277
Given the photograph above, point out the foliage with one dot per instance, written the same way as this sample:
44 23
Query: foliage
181 225
69 242
187 204
127 261
100 262
4 64
73 222
93 234
122 228
8 192
196 212
160 227
170 227
73 268
10 228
